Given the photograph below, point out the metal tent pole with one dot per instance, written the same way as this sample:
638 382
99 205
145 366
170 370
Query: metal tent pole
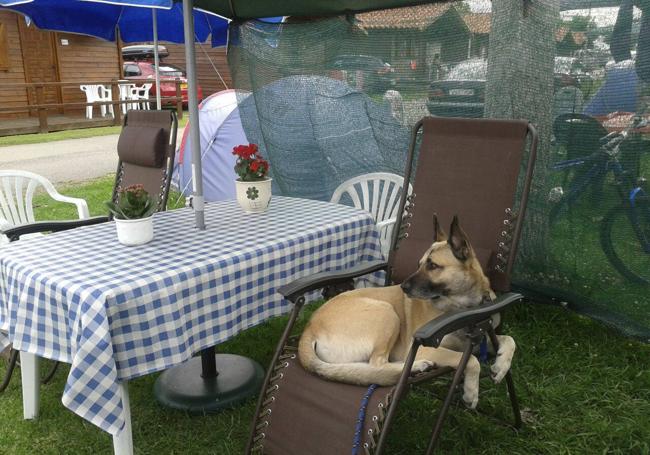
156 57
193 107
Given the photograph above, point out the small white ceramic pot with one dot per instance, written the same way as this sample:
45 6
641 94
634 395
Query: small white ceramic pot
254 197
134 232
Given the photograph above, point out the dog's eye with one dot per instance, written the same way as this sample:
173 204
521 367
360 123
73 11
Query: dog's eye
432 265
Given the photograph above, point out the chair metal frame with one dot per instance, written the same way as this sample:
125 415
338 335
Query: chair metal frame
476 321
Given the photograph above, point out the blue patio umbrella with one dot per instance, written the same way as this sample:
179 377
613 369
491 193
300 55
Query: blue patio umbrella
102 19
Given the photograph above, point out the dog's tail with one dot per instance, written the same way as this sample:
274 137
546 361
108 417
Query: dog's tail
359 373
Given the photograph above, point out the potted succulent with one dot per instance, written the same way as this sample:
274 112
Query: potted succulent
253 187
133 214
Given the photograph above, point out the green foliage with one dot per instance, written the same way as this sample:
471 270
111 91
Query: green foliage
133 202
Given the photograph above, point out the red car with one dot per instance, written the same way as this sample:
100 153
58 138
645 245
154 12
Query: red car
145 72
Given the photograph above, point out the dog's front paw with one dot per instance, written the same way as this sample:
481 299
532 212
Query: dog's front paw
502 364
420 366
499 369
470 396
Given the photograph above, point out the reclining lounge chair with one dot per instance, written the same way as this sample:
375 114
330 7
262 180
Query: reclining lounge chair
465 167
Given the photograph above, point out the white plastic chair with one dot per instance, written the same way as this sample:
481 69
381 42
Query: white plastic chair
92 95
95 93
17 190
105 94
378 193
125 94
141 94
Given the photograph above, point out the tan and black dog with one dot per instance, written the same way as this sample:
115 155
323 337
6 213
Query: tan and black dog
363 336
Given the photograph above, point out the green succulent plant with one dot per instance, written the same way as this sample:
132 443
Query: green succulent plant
133 202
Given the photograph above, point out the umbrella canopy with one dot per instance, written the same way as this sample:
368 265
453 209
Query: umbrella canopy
101 19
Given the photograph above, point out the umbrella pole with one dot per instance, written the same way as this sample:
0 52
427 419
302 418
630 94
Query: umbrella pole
195 386
156 57
193 107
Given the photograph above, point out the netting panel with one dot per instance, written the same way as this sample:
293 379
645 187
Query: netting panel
333 98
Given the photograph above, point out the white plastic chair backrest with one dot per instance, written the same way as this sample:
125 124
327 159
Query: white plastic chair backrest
17 190
141 92
91 91
125 91
104 93
378 193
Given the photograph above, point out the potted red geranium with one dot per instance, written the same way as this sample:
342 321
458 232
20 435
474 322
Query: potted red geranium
253 187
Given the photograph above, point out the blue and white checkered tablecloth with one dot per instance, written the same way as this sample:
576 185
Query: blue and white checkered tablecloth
116 312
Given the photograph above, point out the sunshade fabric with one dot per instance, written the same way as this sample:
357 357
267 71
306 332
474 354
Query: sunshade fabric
134 23
335 97
249 9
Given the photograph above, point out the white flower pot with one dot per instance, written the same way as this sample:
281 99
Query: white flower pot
254 197
134 232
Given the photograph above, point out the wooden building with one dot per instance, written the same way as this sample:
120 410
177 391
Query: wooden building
28 55
33 55
416 37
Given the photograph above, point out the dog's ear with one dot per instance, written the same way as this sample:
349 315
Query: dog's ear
438 234
458 241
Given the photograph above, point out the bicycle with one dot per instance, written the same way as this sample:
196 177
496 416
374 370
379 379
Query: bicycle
625 229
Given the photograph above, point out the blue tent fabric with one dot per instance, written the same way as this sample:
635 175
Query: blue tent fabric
318 132
135 23
619 92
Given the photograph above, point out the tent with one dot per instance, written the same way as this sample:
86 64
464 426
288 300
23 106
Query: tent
220 130
618 92
316 132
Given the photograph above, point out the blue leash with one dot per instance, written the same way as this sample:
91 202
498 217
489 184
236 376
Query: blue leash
361 418
483 351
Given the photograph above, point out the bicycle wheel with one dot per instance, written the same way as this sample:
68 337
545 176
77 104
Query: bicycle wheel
626 243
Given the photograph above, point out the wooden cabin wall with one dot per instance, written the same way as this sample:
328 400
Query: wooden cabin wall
13 72
85 59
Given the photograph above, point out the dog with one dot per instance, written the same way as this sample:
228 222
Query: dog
363 336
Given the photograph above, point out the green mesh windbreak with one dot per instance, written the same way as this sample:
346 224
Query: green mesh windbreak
333 98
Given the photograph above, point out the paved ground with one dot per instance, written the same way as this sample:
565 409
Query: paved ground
71 160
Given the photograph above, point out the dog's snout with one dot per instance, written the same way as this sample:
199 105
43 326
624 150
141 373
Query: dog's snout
406 286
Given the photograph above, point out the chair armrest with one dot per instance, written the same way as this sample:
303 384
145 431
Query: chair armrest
306 284
432 333
15 232
82 205
388 222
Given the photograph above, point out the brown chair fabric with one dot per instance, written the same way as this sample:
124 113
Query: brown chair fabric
313 416
143 145
146 150
469 168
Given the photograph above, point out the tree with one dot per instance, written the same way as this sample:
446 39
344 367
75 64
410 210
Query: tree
520 85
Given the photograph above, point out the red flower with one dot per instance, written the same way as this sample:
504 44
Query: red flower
245 151
255 165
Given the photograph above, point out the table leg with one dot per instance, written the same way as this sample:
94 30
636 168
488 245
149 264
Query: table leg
209 383
30 384
123 442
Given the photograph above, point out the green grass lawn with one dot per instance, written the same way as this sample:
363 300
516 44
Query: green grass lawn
584 388
22 139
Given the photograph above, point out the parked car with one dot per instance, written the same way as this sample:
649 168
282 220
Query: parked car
462 91
140 68
365 72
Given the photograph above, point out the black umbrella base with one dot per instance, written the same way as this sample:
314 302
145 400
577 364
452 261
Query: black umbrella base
183 387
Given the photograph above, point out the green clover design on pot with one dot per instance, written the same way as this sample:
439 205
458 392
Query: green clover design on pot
252 193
